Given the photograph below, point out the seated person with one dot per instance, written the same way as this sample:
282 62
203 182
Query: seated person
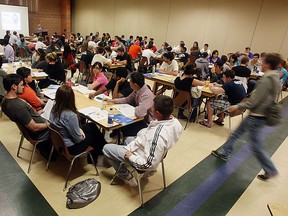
203 64
134 51
140 151
20 111
255 64
9 54
234 91
21 43
99 80
40 44
55 71
40 62
87 56
183 55
169 65
233 61
123 58
2 75
29 95
99 57
142 99
217 73
68 59
242 71
52 48
118 84
148 53
185 83
283 74
214 57
64 116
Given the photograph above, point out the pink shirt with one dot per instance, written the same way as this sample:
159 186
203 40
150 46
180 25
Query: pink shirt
102 79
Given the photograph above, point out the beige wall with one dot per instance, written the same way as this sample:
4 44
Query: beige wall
226 25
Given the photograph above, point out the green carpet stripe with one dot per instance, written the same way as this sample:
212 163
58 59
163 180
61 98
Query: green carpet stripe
18 195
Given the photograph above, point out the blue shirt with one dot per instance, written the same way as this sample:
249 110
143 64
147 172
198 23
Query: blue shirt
285 76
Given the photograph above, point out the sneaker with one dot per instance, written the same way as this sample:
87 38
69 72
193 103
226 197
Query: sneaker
266 176
219 155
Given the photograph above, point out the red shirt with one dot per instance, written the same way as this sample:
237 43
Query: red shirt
29 95
134 50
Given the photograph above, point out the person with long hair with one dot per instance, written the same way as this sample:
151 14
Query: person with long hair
99 80
68 59
214 57
76 137
29 95
40 62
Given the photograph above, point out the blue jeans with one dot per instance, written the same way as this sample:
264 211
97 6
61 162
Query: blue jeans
253 125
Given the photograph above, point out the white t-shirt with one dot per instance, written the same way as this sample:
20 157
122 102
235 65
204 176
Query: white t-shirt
39 44
172 67
148 53
100 58
208 51
13 39
92 44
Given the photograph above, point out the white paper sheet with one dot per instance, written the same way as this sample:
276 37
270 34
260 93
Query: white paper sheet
39 74
51 93
125 109
83 89
47 109
96 114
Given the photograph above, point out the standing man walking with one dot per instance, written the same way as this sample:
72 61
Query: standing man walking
262 98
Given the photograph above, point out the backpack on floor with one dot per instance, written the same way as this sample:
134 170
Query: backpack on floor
83 193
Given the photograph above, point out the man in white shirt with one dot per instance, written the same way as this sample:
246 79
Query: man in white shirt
206 49
169 65
9 52
13 38
93 43
177 49
148 53
99 57
40 44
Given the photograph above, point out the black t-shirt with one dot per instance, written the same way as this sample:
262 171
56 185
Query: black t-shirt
183 57
124 89
234 91
126 57
87 58
184 84
241 71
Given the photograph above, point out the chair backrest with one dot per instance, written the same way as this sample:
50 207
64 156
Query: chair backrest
82 67
25 132
22 52
182 99
244 82
58 142
238 112
143 61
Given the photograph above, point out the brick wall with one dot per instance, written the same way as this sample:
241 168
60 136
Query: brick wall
53 15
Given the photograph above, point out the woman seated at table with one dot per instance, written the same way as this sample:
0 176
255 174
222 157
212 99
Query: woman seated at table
68 59
40 62
55 71
233 61
29 95
100 80
77 138
185 83
214 57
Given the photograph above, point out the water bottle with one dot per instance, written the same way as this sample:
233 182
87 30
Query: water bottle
110 116
153 69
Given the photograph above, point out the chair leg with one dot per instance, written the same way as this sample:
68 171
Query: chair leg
50 155
229 124
32 155
163 174
93 162
20 145
140 189
68 173
116 173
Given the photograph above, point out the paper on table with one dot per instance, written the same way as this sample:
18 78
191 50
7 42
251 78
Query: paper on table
52 86
100 97
167 75
94 113
51 93
83 89
125 109
39 74
47 109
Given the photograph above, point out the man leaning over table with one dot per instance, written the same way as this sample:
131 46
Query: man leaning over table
142 98
234 94
149 147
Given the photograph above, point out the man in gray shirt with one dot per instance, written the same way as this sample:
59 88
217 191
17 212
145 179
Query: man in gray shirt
262 98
